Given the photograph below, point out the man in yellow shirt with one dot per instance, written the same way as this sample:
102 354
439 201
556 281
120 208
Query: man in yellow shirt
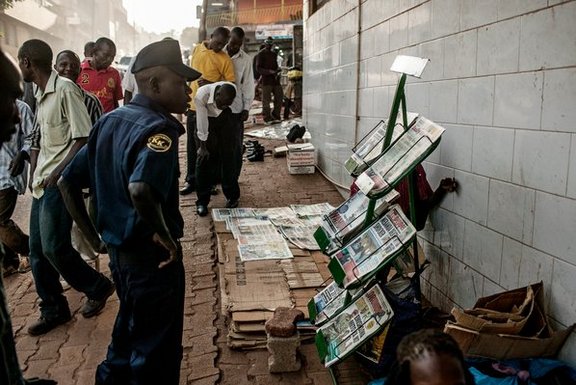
215 65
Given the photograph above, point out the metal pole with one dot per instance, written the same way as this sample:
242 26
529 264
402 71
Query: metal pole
202 29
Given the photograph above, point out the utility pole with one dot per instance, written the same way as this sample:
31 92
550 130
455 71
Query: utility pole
202 30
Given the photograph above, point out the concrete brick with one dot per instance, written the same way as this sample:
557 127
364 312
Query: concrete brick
492 152
468 285
571 190
483 249
558 100
284 356
419 23
518 100
460 55
563 302
546 38
445 17
471 198
498 47
456 147
399 31
448 232
510 8
476 100
511 210
554 221
541 160
443 99
478 13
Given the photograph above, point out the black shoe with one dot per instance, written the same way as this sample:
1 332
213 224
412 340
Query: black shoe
231 204
187 189
202 210
93 306
214 190
44 325
257 155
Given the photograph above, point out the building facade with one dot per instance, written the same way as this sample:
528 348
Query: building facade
69 24
502 81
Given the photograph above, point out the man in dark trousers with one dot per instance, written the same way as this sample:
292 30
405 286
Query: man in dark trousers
64 126
267 67
131 166
216 142
215 65
11 89
240 108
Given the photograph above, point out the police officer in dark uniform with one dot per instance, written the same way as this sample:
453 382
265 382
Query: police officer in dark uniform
131 166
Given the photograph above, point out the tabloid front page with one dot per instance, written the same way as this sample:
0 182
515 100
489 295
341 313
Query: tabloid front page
355 324
402 156
374 246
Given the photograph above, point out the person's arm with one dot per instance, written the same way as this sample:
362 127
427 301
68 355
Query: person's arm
52 179
149 209
228 73
74 202
247 89
33 162
127 96
202 123
118 95
25 129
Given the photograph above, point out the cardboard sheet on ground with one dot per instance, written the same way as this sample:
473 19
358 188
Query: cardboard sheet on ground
256 285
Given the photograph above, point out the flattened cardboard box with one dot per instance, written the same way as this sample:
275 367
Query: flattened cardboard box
539 340
502 346
255 285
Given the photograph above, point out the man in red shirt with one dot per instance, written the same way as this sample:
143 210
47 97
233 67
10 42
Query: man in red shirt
99 78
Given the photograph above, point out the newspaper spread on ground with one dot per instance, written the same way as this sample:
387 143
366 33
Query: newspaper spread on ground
250 226
274 249
300 236
288 222
221 214
400 157
266 225
355 324
349 217
275 213
312 210
374 246
371 146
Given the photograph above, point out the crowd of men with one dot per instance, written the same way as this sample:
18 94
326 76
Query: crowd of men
113 172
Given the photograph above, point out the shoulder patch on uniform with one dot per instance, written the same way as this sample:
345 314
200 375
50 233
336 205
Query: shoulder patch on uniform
159 143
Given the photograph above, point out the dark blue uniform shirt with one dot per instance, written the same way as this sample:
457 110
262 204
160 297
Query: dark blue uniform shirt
134 143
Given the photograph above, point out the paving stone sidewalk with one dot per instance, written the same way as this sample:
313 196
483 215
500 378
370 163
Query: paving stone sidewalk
70 354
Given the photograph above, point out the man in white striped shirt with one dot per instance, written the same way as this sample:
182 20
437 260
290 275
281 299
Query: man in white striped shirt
68 66
244 90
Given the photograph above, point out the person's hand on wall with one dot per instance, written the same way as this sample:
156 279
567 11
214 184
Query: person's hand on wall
449 184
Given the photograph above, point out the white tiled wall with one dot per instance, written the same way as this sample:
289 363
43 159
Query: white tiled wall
502 81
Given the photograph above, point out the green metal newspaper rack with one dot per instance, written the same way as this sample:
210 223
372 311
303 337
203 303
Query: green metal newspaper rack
400 164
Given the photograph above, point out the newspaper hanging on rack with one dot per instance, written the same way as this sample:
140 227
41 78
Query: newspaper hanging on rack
373 248
403 155
371 146
355 325
348 218
329 301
